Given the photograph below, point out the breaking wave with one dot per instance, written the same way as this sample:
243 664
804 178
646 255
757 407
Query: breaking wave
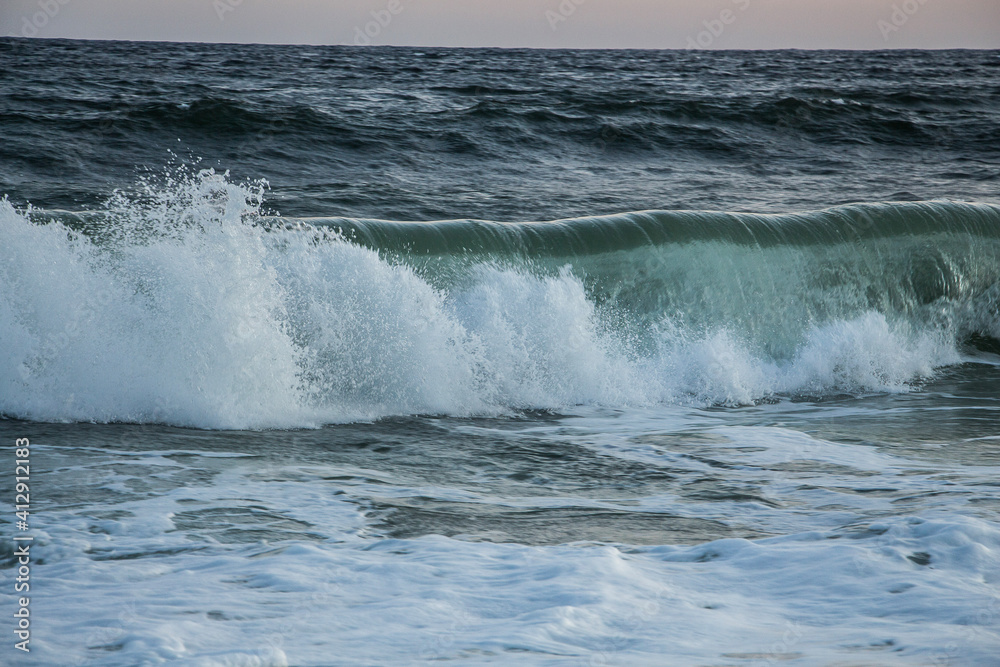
181 303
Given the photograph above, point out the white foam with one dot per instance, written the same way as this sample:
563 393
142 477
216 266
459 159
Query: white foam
179 556
183 311
731 601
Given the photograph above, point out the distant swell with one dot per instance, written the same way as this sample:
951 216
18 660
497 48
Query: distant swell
181 303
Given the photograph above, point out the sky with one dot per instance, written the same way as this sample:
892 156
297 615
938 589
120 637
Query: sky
713 24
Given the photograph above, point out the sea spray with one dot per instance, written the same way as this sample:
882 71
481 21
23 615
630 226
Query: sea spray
181 302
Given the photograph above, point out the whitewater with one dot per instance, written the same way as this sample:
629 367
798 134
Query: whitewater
188 307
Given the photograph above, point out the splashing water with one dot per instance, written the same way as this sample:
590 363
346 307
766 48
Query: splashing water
181 303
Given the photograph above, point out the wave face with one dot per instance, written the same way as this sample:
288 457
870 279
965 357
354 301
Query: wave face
181 303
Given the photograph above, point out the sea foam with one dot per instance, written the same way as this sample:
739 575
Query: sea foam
181 304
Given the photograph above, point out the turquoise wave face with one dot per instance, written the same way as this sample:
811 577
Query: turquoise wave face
595 235
767 278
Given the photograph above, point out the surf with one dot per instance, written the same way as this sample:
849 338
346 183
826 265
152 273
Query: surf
184 302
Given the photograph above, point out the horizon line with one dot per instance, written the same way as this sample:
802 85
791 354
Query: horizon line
504 48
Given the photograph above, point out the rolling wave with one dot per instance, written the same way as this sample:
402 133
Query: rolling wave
182 303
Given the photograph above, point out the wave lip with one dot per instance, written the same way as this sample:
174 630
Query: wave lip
597 234
182 304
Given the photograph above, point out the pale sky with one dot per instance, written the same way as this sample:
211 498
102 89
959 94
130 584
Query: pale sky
716 24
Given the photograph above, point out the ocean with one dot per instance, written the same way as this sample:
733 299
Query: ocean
378 356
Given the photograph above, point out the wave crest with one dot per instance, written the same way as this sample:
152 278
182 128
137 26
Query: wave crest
181 303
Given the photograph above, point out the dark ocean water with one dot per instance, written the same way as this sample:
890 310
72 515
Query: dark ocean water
351 356
428 134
